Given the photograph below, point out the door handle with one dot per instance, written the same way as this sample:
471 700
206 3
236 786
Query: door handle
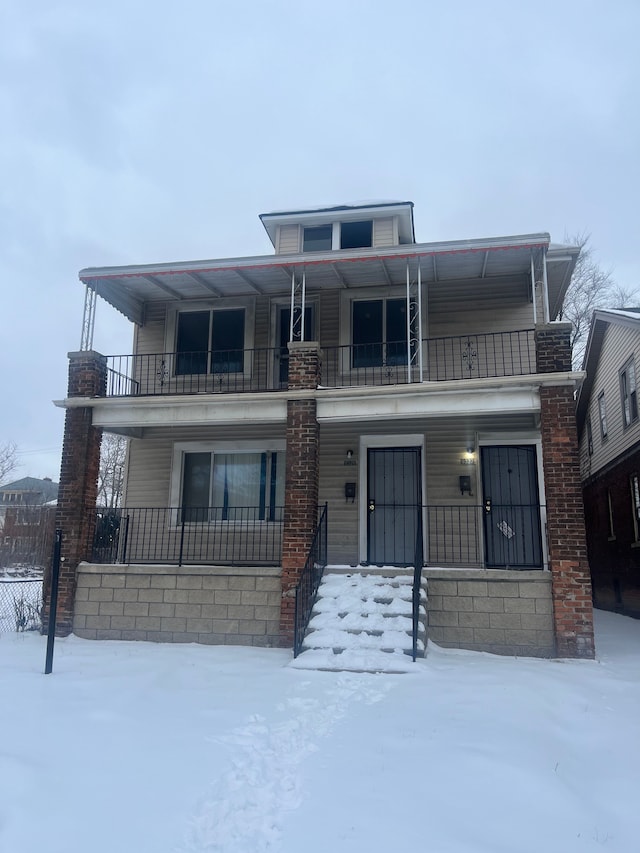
372 506
487 504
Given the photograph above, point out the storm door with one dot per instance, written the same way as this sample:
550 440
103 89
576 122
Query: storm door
284 323
393 505
511 501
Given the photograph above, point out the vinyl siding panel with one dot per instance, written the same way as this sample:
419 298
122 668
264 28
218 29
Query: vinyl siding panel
288 240
383 232
619 344
150 338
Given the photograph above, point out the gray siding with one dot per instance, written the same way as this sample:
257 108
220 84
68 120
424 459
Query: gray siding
383 232
619 344
288 240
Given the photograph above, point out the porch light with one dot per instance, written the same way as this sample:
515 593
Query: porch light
349 459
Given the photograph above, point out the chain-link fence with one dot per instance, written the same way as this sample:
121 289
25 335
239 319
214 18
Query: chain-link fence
20 600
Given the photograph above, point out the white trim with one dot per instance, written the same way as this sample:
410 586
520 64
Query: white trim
383 441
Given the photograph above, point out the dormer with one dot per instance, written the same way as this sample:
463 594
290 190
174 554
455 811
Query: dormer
354 226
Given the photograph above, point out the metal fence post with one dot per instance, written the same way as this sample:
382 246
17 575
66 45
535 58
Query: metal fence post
53 603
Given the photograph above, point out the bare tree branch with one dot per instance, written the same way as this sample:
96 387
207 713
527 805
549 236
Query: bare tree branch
111 473
591 288
8 460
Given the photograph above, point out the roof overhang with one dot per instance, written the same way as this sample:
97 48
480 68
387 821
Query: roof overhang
505 259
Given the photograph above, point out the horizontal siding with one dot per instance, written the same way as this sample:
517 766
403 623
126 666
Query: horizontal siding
383 232
618 345
151 335
288 239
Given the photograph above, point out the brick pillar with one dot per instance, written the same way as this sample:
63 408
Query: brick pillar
566 534
76 510
301 483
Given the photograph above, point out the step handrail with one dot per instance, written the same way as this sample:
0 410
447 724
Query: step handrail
310 577
417 588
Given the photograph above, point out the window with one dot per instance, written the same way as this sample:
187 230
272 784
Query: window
238 485
317 239
602 412
356 235
628 393
210 341
589 437
379 332
634 483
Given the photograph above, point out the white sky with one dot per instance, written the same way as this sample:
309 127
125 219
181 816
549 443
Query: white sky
137 132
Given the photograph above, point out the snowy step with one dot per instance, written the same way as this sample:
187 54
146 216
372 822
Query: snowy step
363 622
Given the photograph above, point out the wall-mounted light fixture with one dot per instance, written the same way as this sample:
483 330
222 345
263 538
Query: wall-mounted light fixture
349 458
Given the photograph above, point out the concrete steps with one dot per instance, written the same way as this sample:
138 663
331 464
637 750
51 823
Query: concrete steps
362 622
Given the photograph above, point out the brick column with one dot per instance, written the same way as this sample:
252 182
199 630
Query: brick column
566 534
76 510
301 483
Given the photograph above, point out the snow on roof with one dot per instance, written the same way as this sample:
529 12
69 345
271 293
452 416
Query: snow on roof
355 205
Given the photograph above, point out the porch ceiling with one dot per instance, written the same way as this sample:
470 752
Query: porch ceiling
473 261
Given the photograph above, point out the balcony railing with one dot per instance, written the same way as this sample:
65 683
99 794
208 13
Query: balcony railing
189 536
235 371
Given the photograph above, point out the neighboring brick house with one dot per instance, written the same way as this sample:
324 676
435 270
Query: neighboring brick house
408 386
27 518
609 430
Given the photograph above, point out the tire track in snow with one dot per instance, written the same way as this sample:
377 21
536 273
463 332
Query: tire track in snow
244 810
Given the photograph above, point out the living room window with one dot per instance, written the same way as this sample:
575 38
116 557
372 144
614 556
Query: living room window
628 393
602 413
229 482
210 341
379 332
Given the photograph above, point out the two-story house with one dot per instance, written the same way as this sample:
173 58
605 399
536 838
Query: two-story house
421 391
609 430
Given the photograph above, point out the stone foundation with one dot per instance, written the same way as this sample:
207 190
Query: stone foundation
498 611
210 604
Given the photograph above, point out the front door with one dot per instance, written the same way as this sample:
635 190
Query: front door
511 503
394 502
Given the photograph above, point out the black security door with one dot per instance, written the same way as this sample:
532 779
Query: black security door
511 507
394 502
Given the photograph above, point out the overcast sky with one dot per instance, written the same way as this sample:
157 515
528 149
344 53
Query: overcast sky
139 132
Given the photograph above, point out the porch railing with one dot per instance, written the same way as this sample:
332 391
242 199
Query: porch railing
307 588
234 371
189 536
417 589
462 357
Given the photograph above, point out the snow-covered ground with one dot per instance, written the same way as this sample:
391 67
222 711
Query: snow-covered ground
143 748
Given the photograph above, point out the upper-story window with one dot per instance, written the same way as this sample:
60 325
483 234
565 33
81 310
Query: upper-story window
318 238
602 412
379 332
356 235
628 393
210 341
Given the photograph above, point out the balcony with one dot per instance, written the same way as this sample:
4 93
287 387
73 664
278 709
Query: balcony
478 356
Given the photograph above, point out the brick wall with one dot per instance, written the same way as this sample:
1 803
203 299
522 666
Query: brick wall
78 488
614 557
301 483
553 347
498 611
218 605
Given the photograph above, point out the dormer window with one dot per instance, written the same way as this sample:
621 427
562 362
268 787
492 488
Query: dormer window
318 238
356 235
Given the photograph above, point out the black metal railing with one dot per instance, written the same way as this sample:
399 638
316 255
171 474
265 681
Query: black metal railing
189 536
226 372
307 588
458 357
417 588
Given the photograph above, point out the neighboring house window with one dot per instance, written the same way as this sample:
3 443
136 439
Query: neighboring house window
379 332
237 486
356 235
635 505
628 392
318 238
612 533
602 412
210 341
589 437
